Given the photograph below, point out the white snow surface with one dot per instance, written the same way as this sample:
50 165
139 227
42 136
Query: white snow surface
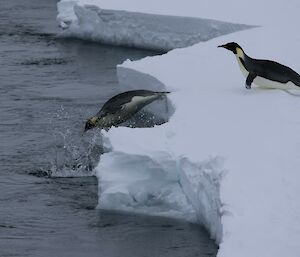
254 12
88 20
229 157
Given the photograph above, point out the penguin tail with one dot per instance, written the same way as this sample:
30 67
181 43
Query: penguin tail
163 92
162 95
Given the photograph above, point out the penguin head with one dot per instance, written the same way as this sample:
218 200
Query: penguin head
91 123
232 46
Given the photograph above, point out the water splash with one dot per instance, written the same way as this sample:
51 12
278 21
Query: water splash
73 154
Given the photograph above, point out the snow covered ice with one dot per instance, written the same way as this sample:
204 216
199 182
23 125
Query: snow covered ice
229 157
158 32
159 185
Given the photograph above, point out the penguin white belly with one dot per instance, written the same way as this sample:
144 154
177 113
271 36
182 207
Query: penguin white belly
266 83
242 68
138 100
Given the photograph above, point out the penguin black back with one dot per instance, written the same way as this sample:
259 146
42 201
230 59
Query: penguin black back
273 71
114 103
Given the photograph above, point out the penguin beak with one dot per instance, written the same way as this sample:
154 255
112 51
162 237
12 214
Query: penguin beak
87 127
224 46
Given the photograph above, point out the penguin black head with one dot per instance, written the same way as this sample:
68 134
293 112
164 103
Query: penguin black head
232 46
90 123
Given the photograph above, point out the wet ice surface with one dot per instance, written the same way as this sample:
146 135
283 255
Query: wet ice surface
48 88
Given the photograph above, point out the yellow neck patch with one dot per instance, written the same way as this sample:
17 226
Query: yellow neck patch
93 120
239 53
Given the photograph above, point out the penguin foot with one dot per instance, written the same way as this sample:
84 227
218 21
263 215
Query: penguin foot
248 86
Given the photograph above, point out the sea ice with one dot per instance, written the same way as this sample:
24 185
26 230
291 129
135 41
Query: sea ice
228 157
157 32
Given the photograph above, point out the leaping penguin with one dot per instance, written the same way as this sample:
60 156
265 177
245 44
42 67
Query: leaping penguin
264 73
121 107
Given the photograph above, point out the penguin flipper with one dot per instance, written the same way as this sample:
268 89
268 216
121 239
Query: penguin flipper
251 76
110 110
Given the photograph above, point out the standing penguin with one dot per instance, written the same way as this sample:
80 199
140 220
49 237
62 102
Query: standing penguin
264 73
121 107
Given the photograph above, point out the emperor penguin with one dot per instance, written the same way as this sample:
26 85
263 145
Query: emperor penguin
121 107
264 73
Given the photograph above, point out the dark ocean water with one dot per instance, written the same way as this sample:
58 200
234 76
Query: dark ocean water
48 87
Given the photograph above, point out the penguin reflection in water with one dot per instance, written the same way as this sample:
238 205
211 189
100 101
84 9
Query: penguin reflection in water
264 73
121 107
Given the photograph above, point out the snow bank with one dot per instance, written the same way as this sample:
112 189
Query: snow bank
158 184
255 132
138 183
232 153
266 13
87 20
